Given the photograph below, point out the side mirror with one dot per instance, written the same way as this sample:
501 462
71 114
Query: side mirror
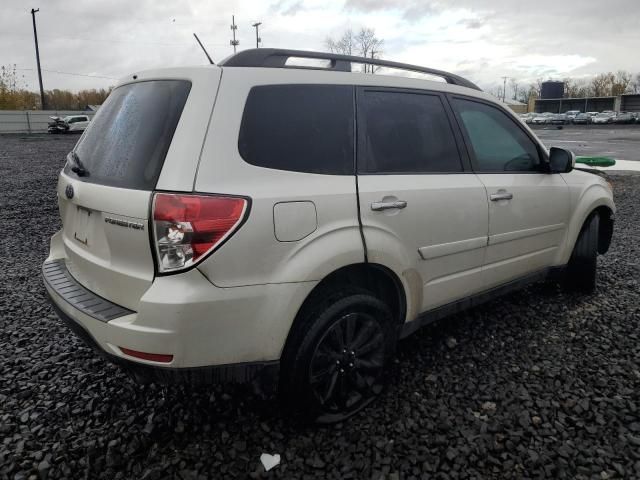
561 160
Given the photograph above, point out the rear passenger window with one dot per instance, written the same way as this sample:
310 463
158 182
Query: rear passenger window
405 133
302 128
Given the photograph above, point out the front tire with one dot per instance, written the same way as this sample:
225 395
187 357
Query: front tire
336 367
581 270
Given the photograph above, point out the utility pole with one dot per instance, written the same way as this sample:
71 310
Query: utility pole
504 88
258 39
234 27
35 36
373 52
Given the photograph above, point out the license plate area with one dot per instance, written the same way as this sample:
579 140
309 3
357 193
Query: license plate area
81 225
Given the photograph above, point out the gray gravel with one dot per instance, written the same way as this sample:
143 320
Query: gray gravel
539 384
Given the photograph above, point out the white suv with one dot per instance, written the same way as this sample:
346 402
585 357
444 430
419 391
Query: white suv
237 221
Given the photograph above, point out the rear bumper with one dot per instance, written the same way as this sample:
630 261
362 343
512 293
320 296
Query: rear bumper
213 334
143 373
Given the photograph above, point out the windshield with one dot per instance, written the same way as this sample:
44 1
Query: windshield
128 139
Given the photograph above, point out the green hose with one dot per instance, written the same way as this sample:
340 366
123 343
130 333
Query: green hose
596 161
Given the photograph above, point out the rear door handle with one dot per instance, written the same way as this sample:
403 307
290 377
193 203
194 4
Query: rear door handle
378 206
494 197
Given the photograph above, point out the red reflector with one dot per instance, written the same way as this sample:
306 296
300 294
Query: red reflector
154 357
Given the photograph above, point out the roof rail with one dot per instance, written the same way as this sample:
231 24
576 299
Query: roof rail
277 58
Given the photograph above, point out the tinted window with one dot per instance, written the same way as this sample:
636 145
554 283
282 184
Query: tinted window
403 133
128 139
498 143
303 128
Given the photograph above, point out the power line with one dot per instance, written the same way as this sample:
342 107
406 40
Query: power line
70 73
126 42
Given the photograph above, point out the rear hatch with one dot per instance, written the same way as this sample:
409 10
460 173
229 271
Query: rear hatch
146 136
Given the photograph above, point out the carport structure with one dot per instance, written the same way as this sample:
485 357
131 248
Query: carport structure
621 103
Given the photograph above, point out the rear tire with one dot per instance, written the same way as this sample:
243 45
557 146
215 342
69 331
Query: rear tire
336 365
581 270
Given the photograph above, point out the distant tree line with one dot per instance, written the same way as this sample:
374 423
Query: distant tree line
602 85
14 96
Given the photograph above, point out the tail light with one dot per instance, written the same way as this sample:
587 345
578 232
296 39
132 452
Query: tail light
188 227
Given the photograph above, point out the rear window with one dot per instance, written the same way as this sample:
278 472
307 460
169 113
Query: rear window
127 141
301 128
405 133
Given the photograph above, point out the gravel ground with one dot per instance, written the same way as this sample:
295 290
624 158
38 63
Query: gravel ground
538 384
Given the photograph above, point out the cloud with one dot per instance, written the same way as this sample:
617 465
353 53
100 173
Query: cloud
410 10
483 39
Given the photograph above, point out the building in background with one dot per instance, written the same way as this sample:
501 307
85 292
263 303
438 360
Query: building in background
516 106
551 89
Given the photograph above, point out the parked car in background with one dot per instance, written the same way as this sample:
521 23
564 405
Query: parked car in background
70 123
592 114
559 119
228 238
527 117
604 117
625 118
57 125
77 123
542 118
582 119
572 114
637 116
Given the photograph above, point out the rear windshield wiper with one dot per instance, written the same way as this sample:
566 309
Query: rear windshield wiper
77 166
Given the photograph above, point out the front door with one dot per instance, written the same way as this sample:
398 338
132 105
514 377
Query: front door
528 208
417 195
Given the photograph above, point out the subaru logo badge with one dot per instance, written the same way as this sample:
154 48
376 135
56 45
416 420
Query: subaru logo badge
69 191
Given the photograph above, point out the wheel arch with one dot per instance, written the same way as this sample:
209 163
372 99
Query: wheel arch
595 200
377 279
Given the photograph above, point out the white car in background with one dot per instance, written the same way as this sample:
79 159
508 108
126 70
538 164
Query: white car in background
77 123
603 118
542 118
571 115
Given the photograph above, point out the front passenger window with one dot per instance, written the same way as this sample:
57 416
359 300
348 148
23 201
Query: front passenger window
498 144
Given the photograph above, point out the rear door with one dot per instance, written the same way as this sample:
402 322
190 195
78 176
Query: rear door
528 207
416 190
106 187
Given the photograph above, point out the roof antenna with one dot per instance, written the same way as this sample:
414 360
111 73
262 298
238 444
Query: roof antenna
204 49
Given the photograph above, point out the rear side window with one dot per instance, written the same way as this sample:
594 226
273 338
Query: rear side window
301 128
127 141
405 133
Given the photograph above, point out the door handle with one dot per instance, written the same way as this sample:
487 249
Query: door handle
494 197
378 206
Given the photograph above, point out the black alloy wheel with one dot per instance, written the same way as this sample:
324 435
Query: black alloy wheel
346 368
335 361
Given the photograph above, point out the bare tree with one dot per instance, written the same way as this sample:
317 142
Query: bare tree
368 44
601 84
635 84
524 94
621 83
513 83
343 45
364 43
536 87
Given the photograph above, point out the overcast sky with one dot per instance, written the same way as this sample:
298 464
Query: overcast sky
482 39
